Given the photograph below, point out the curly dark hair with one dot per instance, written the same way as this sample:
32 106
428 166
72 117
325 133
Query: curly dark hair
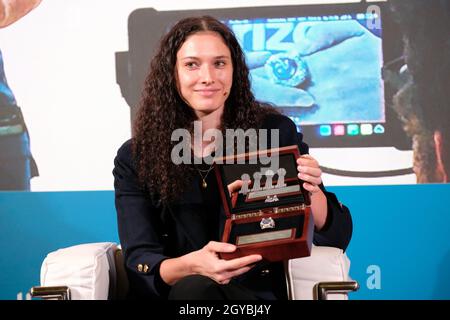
162 110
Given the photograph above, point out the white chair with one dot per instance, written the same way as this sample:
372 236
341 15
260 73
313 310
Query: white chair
321 276
95 271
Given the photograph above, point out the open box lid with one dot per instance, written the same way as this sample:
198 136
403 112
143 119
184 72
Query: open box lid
269 180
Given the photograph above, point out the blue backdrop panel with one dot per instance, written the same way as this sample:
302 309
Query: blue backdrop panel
400 247
33 224
404 231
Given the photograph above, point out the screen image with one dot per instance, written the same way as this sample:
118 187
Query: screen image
321 65
323 72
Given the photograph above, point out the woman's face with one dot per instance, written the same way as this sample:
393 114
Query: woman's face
204 72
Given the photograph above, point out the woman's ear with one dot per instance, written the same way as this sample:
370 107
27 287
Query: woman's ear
442 171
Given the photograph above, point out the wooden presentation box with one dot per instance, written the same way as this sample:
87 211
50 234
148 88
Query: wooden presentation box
270 215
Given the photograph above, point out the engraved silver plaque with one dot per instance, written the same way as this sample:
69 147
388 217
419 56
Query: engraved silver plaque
266 236
273 192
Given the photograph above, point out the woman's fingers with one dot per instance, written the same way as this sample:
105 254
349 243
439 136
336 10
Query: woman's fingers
241 262
310 172
215 246
312 179
235 186
307 161
311 188
226 276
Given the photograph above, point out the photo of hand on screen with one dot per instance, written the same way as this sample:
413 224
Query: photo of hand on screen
270 75
328 69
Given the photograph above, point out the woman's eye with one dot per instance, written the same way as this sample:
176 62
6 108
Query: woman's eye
191 64
220 63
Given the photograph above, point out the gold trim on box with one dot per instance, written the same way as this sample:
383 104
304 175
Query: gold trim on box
275 210
265 236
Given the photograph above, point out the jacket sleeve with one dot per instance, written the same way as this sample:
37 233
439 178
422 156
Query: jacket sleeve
140 228
338 227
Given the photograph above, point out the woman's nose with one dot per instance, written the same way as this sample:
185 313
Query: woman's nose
206 75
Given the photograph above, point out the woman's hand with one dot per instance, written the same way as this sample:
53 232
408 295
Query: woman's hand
310 172
206 262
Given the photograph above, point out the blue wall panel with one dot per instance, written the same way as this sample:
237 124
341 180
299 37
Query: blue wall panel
401 231
33 224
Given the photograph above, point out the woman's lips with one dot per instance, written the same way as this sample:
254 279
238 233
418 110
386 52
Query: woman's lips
207 92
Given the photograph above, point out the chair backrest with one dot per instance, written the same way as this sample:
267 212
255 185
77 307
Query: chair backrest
121 279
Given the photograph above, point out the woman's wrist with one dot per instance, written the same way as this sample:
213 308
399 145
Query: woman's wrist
173 269
319 208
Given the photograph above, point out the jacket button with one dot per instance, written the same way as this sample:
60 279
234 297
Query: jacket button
265 272
145 268
140 267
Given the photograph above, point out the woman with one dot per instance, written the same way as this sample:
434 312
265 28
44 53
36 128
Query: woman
170 216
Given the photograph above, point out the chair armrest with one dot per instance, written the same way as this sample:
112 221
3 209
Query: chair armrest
86 270
51 293
323 289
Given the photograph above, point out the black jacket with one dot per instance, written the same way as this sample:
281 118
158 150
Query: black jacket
150 231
